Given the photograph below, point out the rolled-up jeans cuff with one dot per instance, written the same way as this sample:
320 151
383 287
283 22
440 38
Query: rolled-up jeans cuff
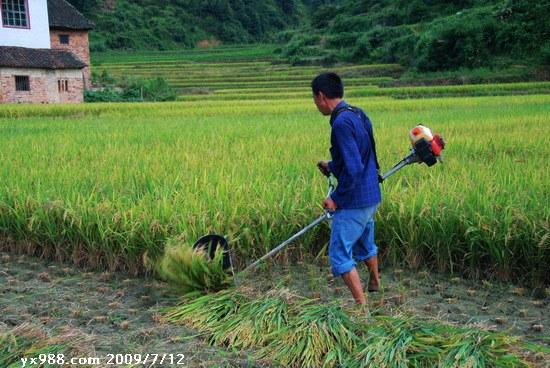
339 270
368 256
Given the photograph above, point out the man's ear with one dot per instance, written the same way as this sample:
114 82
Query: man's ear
322 96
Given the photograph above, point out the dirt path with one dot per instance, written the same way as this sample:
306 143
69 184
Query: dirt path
113 314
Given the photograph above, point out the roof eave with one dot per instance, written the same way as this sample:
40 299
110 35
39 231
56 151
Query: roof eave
40 68
64 28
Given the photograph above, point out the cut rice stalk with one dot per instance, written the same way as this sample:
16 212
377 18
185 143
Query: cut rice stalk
396 342
25 341
476 348
191 269
206 312
254 324
319 336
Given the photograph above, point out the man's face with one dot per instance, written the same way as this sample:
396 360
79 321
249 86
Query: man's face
321 103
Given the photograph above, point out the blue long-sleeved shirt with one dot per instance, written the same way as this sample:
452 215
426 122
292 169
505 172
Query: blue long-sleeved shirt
353 161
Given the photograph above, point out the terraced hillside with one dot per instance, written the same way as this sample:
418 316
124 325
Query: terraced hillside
229 73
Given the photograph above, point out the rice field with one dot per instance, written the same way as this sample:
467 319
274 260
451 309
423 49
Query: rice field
466 236
229 53
102 184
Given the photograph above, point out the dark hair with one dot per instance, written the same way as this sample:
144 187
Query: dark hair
329 83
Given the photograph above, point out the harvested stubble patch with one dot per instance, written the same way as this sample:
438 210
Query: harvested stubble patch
305 333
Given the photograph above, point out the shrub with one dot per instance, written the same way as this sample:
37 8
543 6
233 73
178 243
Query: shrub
154 89
323 15
106 94
383 44
129 89
545 54
458 41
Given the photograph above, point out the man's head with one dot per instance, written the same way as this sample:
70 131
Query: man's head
328 91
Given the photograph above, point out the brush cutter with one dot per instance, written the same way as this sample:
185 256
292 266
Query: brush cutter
426 148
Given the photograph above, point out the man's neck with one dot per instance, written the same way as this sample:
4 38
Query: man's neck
333 103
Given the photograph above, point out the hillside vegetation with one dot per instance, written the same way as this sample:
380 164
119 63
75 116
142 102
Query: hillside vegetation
426 34
153 25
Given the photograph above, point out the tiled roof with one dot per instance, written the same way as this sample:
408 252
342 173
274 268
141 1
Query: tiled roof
22 57
65 16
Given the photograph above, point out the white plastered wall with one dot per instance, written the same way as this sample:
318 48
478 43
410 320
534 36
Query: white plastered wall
36 36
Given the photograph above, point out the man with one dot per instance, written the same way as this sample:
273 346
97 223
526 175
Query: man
357 195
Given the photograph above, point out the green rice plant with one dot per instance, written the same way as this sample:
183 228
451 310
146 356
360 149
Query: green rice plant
189 269
318 336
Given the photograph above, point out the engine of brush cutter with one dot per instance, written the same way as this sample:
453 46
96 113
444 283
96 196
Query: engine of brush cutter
427 146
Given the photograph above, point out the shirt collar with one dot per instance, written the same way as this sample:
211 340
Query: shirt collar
333 115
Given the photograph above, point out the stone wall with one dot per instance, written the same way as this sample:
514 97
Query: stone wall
79 45
44 87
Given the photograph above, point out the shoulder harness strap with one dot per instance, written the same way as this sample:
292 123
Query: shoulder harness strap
368 128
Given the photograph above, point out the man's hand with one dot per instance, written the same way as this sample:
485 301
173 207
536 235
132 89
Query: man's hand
329 204
324 168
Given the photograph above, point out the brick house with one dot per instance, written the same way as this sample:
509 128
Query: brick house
44 52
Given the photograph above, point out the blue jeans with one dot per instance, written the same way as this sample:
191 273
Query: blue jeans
351 238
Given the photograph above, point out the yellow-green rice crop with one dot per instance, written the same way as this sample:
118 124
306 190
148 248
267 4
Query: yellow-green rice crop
365 88
103 184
